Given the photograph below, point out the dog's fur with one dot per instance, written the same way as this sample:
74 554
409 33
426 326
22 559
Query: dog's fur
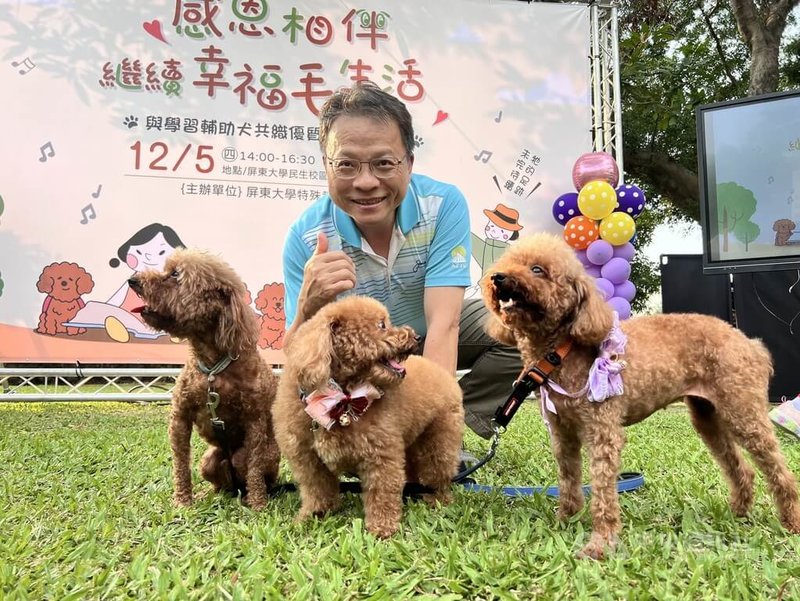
200 298
64 283
413 432
722 374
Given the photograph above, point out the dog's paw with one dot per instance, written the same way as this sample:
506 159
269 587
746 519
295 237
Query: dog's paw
182 500
254 503
442 497
383 529
598 547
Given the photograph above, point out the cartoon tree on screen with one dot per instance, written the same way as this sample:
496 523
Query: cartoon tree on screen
735 207
746 233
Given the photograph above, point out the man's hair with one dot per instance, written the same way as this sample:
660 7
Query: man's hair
365 99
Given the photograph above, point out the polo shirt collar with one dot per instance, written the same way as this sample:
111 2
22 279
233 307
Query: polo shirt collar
407 218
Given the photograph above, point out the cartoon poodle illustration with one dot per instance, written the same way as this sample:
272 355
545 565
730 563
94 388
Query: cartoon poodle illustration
273 322
783 228
63 283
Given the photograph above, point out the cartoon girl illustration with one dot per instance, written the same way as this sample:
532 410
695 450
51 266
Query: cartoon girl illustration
146 249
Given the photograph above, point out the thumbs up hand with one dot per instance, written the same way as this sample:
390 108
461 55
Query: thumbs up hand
327 274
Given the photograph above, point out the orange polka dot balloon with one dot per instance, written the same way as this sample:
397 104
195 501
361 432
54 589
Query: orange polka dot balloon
580 232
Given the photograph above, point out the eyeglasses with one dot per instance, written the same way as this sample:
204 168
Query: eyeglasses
382 168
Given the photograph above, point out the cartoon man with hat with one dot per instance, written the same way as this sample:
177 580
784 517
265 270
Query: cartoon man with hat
502 228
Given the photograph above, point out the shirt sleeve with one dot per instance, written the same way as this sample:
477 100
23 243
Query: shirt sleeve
295 255
451 248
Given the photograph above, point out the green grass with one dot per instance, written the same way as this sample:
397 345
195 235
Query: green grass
86 513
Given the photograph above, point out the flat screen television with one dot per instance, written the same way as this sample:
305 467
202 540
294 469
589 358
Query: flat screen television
748 154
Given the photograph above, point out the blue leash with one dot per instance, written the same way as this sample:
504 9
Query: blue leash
627 482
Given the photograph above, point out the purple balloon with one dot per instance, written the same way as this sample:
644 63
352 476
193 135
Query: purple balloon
616 271
605 287
565 207
625 251
581 254
621 306
631 200
593 270
599 252
625 290
595 165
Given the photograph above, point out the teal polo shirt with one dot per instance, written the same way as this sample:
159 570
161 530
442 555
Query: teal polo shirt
431 248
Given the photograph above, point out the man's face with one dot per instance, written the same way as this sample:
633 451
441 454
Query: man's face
370 201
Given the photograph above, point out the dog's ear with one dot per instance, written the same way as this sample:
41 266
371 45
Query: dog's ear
84 283
237 330
311 350
498 330
593 318
46 280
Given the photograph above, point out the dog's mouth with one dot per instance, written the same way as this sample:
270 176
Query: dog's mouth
510 301
394 366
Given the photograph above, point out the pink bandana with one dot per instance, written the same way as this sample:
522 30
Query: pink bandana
330 405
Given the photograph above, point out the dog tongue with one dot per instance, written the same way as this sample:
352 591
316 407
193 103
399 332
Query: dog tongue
137 309
396 364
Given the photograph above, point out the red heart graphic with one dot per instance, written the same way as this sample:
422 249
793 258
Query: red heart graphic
440 116
154 29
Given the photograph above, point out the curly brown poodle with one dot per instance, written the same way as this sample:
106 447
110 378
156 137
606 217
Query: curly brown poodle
379 413
542 299
200 298
64 284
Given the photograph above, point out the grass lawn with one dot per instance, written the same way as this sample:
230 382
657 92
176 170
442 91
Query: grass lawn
86 513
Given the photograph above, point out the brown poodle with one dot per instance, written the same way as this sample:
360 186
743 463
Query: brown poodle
783 228
200 298
273 321
542 299
64 283
373 416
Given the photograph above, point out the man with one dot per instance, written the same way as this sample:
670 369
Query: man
402 239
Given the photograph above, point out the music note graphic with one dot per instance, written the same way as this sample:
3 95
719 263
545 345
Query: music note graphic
499 116
97 194
50 151
484 156
88 213
28 64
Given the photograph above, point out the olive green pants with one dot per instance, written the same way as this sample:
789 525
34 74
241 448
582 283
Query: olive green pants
492 366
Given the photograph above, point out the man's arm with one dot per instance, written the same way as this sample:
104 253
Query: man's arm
326 274
442 315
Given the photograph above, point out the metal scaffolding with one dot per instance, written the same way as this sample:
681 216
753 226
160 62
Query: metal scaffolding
606 101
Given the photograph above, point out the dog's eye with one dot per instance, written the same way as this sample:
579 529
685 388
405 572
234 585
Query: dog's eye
382 324
175 273
537 269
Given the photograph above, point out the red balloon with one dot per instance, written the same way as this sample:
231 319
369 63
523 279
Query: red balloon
592 166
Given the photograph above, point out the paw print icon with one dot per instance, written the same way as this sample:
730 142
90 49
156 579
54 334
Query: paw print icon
130 122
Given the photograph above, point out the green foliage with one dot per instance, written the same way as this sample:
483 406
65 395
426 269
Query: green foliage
86 513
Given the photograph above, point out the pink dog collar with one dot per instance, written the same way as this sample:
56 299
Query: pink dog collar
330 405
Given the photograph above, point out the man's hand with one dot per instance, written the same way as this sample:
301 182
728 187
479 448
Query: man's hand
325 275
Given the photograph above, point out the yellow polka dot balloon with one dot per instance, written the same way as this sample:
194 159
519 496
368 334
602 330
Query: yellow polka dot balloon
597 199
618 228
580 232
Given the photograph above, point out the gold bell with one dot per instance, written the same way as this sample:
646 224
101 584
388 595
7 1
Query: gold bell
344 420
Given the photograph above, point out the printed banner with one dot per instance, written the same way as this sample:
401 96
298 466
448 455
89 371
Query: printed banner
130 128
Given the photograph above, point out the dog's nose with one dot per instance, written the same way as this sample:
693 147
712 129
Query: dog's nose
135 283
498 278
